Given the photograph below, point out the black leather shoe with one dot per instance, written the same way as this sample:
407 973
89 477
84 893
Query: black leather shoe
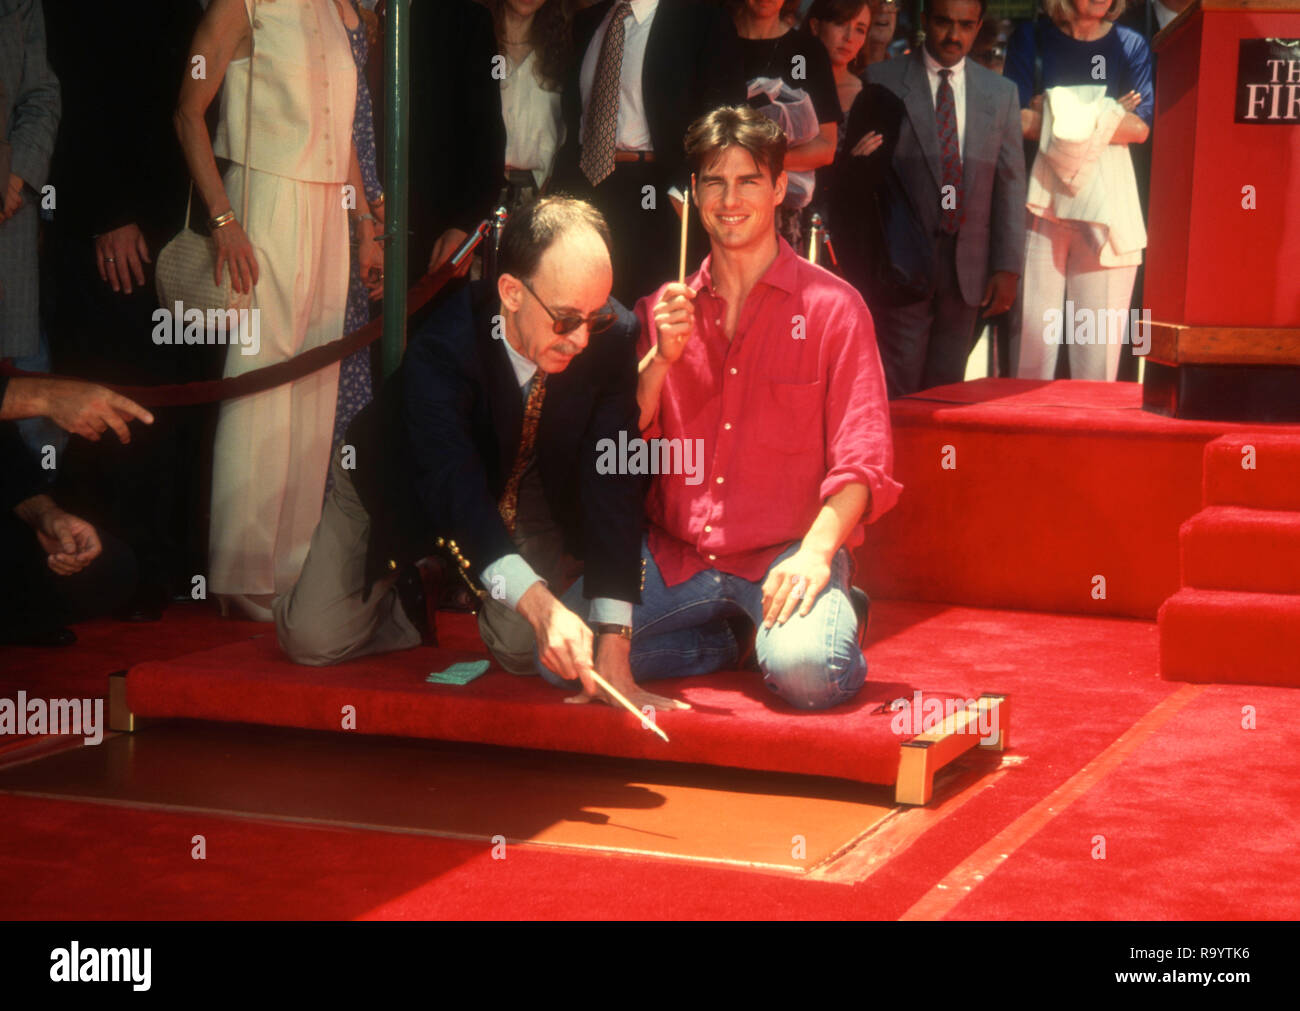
37 635
411 593
862 608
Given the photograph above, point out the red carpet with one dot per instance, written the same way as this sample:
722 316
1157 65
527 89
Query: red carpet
1237 617
105 646
1078 683
1219 845
1047 486
735 720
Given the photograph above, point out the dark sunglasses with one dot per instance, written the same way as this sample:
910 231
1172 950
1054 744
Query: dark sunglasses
601 319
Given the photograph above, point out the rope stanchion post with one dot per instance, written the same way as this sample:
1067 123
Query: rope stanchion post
499 218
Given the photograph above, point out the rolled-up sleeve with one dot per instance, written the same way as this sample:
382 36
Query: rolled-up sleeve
859 439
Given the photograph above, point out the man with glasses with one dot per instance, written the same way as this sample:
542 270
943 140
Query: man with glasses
482 449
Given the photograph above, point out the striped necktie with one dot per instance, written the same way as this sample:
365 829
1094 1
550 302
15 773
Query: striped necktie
945 111
601 126
527 440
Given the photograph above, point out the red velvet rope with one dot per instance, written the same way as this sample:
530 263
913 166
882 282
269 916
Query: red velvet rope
269 376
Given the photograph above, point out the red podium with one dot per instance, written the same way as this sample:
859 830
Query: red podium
1223 260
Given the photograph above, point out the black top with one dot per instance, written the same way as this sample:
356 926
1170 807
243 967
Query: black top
117 159
779 58
856 183
444 433
458 137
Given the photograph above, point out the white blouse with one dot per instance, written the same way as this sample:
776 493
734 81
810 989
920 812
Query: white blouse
534 123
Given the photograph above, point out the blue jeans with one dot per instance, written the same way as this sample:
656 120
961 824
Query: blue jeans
812 662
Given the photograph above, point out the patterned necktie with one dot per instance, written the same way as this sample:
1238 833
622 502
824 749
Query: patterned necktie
945 112
601 126
527 439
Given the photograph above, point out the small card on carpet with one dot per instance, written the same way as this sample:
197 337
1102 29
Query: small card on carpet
458 673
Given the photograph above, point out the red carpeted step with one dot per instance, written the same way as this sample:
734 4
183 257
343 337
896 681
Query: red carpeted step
1255 469
1233 548
735 722
1212 636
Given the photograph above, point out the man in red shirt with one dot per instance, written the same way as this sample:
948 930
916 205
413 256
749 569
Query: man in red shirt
763 405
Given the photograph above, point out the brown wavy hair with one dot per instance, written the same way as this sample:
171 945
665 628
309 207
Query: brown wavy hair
549 35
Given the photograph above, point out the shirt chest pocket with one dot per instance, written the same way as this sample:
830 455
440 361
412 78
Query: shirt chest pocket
790 417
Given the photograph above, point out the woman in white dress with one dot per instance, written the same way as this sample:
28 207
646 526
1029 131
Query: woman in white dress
533 40
272 449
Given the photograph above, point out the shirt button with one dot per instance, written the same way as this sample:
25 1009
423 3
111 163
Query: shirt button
727 425
708 529
733 372
713 558
719 480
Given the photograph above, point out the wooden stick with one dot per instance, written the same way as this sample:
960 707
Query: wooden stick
686 213
621 699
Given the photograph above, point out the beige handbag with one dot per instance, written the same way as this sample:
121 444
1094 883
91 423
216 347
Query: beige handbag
187 264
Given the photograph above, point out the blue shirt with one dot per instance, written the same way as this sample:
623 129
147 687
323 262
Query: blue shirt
1070 61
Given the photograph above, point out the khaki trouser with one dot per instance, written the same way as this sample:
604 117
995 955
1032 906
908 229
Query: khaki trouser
323 619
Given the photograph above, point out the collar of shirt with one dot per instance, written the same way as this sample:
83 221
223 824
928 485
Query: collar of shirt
933 66
524 369
642 9
781 273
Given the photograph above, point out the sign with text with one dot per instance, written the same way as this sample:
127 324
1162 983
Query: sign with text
1268 81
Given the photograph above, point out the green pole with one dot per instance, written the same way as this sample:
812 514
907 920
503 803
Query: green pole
397 49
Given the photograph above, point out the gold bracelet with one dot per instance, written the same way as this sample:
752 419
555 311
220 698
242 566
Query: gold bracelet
222 219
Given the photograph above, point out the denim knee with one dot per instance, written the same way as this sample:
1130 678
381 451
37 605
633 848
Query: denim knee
811 677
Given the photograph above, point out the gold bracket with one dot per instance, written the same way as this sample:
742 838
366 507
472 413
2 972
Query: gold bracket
921 758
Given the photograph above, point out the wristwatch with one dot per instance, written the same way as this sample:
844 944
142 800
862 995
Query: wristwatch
607 628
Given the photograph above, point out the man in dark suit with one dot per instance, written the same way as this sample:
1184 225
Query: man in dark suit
121 183
458 138
630 96
485 447
960 156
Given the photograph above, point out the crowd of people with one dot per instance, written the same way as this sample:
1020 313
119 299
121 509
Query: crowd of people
940 175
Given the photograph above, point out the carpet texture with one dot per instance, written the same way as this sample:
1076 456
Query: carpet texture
1020 494
735 721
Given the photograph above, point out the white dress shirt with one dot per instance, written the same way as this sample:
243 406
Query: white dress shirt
633 130
958 82
515 574
534 123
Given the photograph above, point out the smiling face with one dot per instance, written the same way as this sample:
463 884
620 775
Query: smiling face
843 41
950 29
738 199
573 277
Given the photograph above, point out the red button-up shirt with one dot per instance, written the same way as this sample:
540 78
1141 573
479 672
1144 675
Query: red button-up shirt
789 411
